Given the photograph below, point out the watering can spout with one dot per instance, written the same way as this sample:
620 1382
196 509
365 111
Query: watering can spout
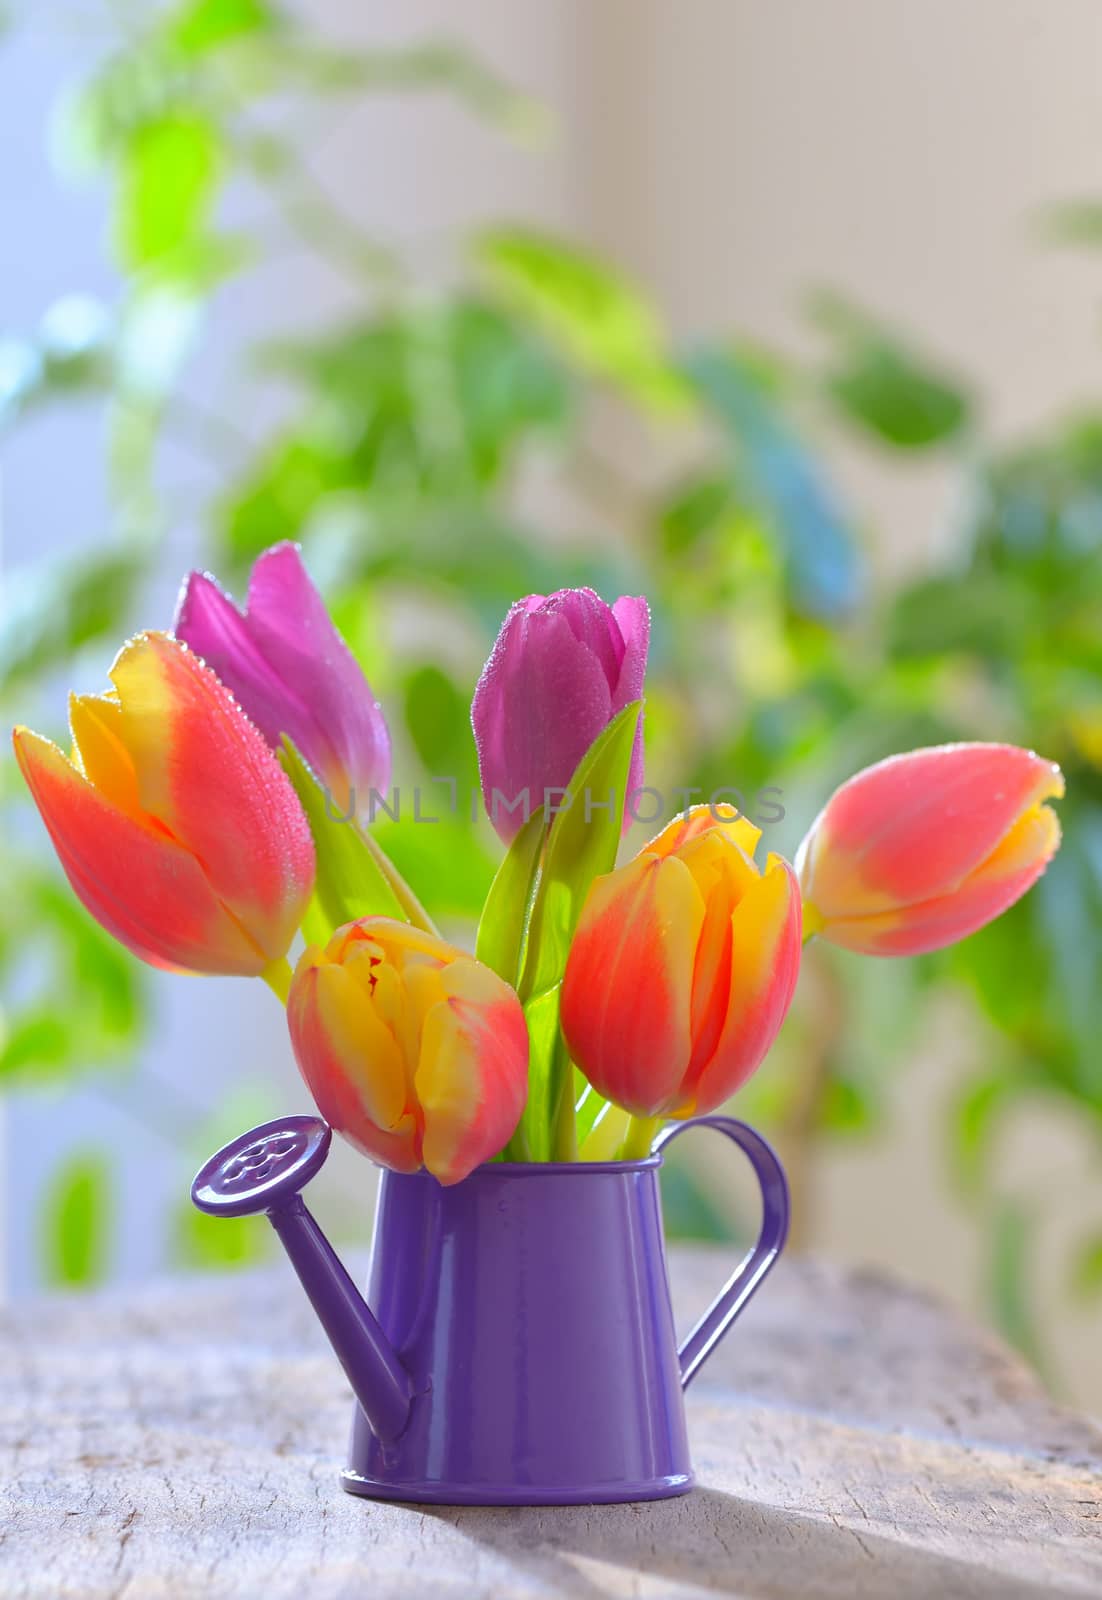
264 1170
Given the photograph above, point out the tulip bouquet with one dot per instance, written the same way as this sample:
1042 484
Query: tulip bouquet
218 801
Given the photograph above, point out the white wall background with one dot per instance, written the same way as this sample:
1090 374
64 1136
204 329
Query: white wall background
731 155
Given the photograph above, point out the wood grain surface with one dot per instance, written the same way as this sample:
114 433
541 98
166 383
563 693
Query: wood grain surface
853 1439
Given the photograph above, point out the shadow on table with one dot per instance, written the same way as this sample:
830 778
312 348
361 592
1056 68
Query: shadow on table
717 1542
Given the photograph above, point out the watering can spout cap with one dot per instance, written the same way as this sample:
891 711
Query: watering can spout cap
264 1171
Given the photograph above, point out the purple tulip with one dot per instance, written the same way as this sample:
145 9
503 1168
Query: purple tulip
563 666
291 671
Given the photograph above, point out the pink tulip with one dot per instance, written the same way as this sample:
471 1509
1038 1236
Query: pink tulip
922 849
291 672
563 666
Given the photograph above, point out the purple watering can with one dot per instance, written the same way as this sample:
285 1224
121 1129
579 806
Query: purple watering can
521 1346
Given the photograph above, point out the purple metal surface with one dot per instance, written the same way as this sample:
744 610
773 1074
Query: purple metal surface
527 1311
748 1275
263 1170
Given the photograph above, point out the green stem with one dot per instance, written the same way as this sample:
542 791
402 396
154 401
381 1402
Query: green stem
517 1148
639 1138
414 910
278 978
564 1125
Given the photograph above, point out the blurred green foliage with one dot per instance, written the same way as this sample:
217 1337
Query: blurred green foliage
403 462
76 1224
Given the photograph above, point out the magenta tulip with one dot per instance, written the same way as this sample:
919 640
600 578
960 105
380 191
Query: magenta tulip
291 672
563 666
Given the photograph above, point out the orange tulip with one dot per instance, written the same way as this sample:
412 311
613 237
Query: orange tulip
412 1049
922 849
172 819
683 967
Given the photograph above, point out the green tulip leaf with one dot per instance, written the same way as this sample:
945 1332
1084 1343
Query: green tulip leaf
350 883
581 845
503 926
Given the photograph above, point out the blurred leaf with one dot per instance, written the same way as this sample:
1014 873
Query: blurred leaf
436 64
1068 906
884 387
823 566
695 509
981 613
39 1038
70 355
604 323
274 501
689 1208
56 606
992 961
974 1119
168 180
439 721
507 385
1012 1242
1039 511
1087 1269
103 981
77 1222
847 1107
446 858
203 25
349 884
502 928
218 1244
430 397
1073 222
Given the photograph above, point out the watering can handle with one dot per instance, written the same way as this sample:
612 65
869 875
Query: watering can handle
752 1272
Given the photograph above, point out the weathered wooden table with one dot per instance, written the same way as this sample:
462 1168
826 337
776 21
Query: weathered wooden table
853 1439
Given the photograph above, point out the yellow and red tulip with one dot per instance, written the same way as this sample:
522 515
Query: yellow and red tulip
412 1049
922 849
683 967
172 819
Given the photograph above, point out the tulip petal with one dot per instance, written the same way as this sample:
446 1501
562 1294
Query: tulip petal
632 614
765 963
723 875
289 621
913 828
412 1049
95 722
351 1064
210 624
627 992
701 820
147 890
538 707
472 1074
1012 868
206 773
561 668
594 625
